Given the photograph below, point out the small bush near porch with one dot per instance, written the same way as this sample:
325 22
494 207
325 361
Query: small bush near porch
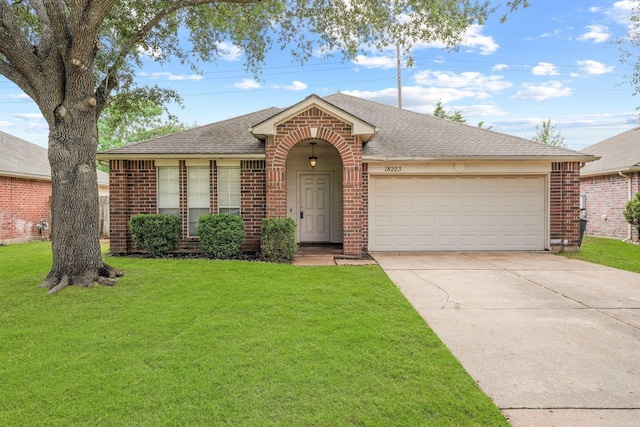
204 342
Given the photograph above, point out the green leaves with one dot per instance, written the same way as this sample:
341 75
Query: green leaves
632 212
547 134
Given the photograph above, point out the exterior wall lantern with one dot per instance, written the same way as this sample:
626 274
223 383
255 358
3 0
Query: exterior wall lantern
313 160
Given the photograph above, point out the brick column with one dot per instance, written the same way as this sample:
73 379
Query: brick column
565 206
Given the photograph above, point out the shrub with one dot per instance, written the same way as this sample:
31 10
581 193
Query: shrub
221 235
278 240
632 212
155 233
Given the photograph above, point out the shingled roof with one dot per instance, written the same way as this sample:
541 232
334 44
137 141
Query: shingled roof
402 135
620 153
24 159
405 134
228 137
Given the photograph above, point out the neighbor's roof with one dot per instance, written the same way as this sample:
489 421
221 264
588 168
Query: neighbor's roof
620 153
402 135
24 159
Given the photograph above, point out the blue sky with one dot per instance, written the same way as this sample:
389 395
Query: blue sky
555 59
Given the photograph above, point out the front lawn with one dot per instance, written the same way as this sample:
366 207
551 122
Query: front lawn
609 252
201 342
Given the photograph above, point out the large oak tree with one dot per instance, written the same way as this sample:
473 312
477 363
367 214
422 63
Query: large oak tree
71 56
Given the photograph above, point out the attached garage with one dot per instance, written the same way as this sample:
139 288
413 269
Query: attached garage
466 213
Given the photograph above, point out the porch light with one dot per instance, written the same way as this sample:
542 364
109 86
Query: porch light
313 160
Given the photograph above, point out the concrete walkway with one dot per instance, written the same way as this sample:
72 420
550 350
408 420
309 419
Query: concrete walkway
553 341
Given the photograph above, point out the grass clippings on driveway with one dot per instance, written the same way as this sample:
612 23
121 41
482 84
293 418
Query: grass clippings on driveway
610 252
201 342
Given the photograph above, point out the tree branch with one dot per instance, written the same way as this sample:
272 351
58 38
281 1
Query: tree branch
18 78
16 48
59 26
106 87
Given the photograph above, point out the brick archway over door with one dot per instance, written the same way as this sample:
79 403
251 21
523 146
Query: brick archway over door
349 147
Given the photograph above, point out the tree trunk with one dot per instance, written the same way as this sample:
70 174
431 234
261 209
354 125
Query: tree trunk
75 239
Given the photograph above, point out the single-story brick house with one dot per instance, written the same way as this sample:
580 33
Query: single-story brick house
25 190
386 179
608 184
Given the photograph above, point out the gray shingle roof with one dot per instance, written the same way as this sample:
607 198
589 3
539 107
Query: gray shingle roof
618 153
403 134
24 159
406 134
226 137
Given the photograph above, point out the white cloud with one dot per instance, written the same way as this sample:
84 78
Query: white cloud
375 61
594 67
499 67
597 33
545 69
545 35
472 39
552 89
620 11
475 39
21 95
471 80
296 85
247 84
151 52
29 116
594 9
228 51
171 76
480 110
415 98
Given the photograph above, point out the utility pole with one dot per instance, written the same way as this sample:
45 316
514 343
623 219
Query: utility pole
399 76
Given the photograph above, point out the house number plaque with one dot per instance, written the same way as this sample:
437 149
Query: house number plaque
393 168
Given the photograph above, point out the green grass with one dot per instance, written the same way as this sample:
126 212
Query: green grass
609 252
202 342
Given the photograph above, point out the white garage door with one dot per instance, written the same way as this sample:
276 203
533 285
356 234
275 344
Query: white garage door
441 213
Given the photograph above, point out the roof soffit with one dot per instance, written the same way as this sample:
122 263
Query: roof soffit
358 126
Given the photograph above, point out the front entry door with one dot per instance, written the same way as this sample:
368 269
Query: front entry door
314 222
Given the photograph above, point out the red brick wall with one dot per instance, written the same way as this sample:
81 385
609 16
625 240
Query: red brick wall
365 207
565 206
606 198
253 200
336 133
23 204
133 189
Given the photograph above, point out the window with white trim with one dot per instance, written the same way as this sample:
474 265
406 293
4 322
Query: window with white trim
229 190
168 180
198 196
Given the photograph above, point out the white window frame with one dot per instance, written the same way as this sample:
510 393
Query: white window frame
229 188
198 196
168 190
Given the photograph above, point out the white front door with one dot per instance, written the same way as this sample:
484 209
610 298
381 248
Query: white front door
314 220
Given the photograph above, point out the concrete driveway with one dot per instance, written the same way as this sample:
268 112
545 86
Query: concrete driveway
553 341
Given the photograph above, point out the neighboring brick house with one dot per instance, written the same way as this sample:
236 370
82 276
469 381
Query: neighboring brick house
386 179
608 184
25 189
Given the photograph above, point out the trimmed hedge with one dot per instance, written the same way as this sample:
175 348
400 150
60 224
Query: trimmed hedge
278 240
155 233
221 235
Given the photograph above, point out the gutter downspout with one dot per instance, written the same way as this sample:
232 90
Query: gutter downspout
629 237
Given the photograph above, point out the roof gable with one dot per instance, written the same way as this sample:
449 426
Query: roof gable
358 126
620 153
